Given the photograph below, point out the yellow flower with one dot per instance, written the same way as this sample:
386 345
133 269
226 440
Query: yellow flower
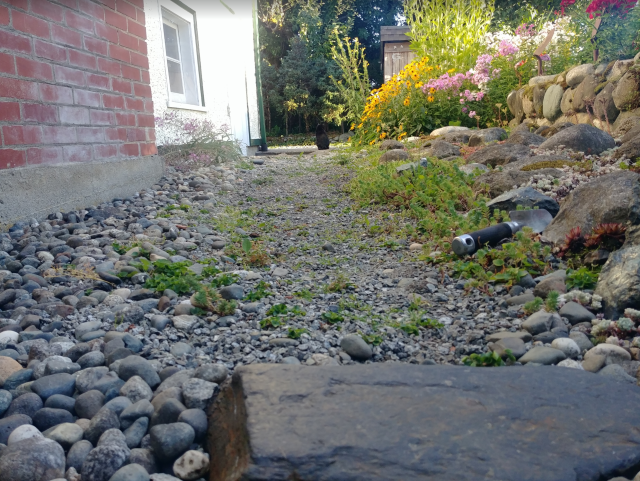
372 142
378 129
401 128
451 70
430 98
360 126
432 91
408 83
406 102
383 135
353 126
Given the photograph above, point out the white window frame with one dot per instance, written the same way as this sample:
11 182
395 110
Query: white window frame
176 16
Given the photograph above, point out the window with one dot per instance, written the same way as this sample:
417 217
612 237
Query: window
178 30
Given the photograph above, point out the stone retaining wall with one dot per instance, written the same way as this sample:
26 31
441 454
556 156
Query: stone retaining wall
604 95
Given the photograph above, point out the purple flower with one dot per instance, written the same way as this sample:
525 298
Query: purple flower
506 48
545 57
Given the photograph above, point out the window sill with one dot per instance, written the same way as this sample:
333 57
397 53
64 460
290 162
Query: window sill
177 105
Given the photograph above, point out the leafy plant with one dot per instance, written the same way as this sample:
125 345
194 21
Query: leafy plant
305 294
332 317
487 359
551 303
296 333
226 308
354 84
450 32
373 339
581 279
268 322
119 249
606 236
532 307
223 280
260 292
278 310
339 284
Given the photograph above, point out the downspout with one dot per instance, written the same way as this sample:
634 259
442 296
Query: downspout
256 48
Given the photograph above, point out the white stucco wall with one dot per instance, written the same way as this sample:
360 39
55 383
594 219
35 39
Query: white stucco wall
227 62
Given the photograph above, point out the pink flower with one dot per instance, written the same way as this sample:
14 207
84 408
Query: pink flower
472 114
464 110
506 48
461 101
545 57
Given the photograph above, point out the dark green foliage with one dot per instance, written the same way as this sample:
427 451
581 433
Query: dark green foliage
551 303
332 317
296 333
533 306
583 278
260 292
487 359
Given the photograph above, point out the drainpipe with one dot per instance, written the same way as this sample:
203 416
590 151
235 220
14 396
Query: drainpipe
256 48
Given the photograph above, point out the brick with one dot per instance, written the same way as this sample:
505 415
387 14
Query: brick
109 66
113 101
126 8
34 69
105 151
115 19
46 114
98 81
118 53
130 72
48 10
79 22
69 75
114 135
96 46
50 51
107 33
86 98
74 115
136 29
56 94
151 135
91 9
137 3
146 120
142 20
136 135
130 150
18 89
22 134
58 135
4 16
66 36
101 117
142 47
7 64
141 90
139 60
44 155
17 43
81 59
30 24
108 3
78 153
128 41
22 4
145 77
135 104
90 134
148 106
122 86
148 149
9 111
11 158
69 3
125 119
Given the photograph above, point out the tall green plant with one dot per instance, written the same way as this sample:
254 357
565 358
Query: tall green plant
354 85
449 32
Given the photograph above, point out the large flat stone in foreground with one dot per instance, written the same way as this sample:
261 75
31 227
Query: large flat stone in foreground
404 422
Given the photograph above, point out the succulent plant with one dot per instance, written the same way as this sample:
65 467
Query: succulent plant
625 324
574 242
606 236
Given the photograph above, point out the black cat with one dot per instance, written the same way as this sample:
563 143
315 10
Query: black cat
322 139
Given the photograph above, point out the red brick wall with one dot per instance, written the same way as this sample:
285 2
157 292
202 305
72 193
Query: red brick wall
74 82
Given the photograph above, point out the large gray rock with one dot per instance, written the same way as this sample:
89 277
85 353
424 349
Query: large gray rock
33 459
169 441
576 75
78 453
499 154
543 355
355 346
626 95
585 94
102 462
139 366
526 197
566 104
131 472
9 423
630 150
525 138
321 436
604 108
619 281
47 386
576 313
581 138
492 134
442 150
394 156
587 207
551 104
540 322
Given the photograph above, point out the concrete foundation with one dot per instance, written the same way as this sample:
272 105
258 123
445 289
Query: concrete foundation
39 191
